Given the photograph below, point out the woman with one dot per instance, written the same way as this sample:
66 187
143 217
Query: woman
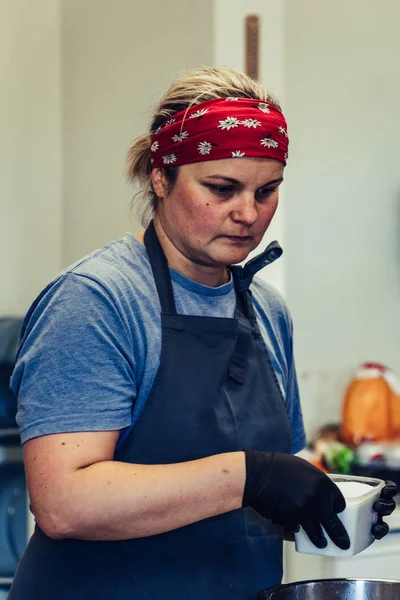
158 403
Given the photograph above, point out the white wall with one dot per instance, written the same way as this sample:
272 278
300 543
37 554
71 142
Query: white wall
30 150
118 59
342 226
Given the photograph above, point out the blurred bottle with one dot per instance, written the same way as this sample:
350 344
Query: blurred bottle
371 406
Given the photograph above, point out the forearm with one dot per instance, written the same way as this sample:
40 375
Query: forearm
114 501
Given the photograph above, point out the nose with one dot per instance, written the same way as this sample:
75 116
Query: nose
245 210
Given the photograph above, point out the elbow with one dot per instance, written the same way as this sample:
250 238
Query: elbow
56 529
54 524
55 532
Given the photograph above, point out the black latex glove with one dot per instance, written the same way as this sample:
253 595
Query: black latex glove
384 507
290 492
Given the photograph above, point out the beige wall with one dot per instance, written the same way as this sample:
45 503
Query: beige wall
30 150
342 188
118 58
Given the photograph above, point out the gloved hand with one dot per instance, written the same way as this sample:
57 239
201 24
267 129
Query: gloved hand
290 492
384 507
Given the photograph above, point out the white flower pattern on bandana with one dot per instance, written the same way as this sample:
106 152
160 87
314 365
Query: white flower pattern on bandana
238 154
229 123
251 123
231 98
169 159
264 107
155 146
283 131
169 122
204 148
179 137
269 143
199 113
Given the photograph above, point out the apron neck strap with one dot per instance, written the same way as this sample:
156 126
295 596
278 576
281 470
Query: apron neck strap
243 276
159 266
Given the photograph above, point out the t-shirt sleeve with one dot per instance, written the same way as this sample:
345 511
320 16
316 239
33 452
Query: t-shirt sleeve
293 397
277 330
75 368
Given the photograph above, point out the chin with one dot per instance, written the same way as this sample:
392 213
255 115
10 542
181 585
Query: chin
235 257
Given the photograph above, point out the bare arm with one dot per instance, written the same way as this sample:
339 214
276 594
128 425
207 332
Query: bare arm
78 491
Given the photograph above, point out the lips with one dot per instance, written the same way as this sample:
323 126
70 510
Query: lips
237 235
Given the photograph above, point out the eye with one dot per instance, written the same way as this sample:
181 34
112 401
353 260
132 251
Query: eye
222 190
265 193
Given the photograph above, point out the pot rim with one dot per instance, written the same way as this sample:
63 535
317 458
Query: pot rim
270 591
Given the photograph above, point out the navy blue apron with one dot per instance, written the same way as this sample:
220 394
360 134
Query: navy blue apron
215 391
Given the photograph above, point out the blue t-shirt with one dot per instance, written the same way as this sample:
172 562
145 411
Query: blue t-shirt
91 342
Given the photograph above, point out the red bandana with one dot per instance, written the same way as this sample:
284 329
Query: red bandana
222 128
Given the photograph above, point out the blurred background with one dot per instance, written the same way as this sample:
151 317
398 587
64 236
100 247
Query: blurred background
79 80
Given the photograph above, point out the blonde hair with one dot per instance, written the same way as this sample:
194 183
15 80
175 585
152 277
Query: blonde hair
192 88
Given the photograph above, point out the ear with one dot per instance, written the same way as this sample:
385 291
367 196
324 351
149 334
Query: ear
159 182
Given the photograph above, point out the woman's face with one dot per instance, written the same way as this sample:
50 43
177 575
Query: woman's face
217 212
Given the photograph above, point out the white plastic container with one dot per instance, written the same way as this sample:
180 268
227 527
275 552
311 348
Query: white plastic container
358 518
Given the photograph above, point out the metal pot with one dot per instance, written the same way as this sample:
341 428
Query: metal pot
337 589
